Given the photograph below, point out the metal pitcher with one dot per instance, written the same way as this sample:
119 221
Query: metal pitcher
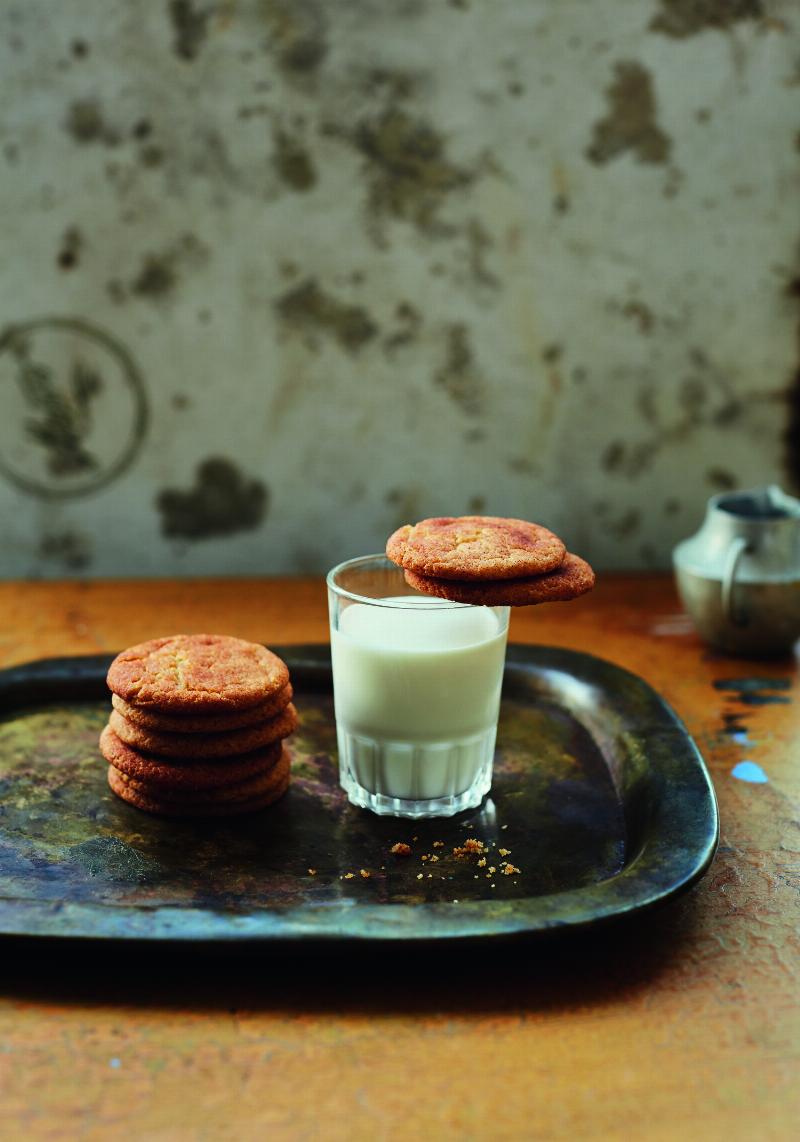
739 575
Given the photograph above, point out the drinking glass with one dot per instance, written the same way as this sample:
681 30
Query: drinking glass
416 684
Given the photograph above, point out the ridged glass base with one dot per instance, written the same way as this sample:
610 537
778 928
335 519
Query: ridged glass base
413 779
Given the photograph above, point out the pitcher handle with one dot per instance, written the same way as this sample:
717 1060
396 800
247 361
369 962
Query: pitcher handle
735 553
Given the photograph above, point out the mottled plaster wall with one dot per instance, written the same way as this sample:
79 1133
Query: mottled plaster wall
279 275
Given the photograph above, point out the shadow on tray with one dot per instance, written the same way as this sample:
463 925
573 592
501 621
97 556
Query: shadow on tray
616 962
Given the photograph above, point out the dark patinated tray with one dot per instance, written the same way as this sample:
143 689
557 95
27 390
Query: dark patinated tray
600 798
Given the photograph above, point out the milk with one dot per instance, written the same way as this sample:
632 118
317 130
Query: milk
417 693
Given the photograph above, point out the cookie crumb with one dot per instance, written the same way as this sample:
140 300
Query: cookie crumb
401 849
365 873
470 845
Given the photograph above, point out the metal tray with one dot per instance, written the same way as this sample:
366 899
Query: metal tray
600 797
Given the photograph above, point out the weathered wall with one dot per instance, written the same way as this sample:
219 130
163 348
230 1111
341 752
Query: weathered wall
279 275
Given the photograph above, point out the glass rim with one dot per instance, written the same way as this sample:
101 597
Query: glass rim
417 602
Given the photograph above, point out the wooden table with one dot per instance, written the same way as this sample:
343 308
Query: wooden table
681 1026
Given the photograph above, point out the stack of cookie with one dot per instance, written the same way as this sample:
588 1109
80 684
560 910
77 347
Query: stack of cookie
488 561
198 725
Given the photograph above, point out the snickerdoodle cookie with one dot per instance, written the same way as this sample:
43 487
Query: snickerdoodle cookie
246 797
475 548
197 674
203 723
573 578
197 726
187 773
201 746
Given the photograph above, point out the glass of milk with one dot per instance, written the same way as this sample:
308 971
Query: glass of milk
416 684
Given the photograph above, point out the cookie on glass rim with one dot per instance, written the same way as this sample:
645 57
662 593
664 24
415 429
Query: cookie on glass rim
573 578
475 547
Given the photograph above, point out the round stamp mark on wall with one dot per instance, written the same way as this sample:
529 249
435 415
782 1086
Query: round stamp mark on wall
74 407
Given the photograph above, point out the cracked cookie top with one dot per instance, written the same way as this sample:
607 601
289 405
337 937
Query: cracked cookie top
197 673
475 547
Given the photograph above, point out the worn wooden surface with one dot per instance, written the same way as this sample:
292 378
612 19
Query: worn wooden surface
684 1025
